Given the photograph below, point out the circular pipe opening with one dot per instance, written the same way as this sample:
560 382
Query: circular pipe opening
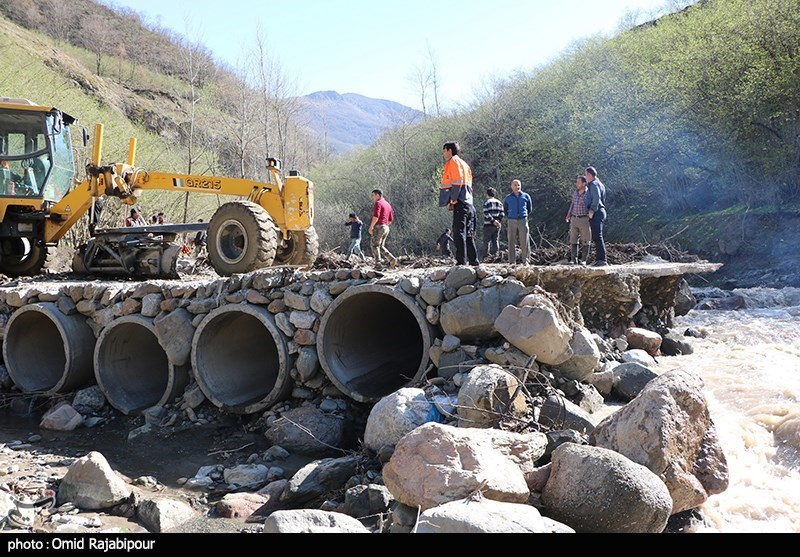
373 340
240 359
47 351
132 369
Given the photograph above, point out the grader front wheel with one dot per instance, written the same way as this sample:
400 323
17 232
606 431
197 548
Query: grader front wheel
242 238
22 257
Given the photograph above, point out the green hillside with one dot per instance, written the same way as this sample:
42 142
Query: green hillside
188 113
691 121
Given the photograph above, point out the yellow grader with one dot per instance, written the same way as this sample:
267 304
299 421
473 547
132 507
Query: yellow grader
271 223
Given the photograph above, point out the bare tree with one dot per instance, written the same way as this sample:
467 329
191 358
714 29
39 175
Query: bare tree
237 118
264 70
102 38
494 116
60 19
279 107
425 79
194 67
434 76
421 80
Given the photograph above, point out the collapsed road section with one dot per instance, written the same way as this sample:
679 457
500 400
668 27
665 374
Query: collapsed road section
249 340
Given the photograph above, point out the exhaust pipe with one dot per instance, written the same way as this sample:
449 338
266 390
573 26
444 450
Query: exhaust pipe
133 370
374 340
48 352
241 359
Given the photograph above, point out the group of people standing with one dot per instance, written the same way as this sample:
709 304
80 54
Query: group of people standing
586 216
135 218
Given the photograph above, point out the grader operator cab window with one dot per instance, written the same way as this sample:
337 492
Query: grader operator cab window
35 155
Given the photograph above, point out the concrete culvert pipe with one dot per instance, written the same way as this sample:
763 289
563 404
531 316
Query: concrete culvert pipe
241 359
372 341
133 370
48 352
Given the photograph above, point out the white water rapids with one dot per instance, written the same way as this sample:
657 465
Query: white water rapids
750 364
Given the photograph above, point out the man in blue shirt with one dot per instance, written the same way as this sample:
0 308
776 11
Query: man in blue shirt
596 204
517 206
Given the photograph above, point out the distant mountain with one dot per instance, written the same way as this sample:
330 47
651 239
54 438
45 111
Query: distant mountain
350 120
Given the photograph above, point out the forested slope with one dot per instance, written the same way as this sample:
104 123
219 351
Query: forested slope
189 112
691 120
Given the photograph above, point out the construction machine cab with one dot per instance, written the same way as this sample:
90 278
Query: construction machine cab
35 151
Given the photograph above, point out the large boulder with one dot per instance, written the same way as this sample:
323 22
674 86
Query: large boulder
585 357
478 515
488 395
164 514
536 330
558 412
92 485
312 521
61 417
668 429
395 415
596 490
643 339
436 464
472 317
307 430
684 299
630 378
239 505
175 332
319 478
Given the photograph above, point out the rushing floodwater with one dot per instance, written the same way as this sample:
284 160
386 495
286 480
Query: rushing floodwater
750 363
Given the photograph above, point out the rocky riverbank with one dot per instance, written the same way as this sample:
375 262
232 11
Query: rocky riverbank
515 383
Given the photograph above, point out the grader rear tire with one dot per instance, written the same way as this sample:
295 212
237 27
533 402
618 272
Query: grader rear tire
242 238
302 248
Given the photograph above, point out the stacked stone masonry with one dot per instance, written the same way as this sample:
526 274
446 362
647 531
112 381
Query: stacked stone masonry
250 341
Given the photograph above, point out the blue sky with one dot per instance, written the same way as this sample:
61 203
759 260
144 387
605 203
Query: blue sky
373 48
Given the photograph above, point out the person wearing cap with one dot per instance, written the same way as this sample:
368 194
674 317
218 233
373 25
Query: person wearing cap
355 225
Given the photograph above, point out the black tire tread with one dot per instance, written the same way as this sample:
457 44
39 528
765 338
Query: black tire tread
265 240
305 248
32 266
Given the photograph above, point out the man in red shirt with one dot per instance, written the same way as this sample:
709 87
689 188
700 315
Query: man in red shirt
382 217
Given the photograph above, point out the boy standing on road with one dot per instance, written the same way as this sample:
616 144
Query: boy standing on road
355 225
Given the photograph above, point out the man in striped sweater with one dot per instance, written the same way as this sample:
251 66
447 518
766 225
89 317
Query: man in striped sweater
492 221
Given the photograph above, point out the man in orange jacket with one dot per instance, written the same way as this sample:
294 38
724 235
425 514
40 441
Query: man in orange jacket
455 193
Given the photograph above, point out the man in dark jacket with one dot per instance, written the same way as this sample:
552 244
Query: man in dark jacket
596 204
455 193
